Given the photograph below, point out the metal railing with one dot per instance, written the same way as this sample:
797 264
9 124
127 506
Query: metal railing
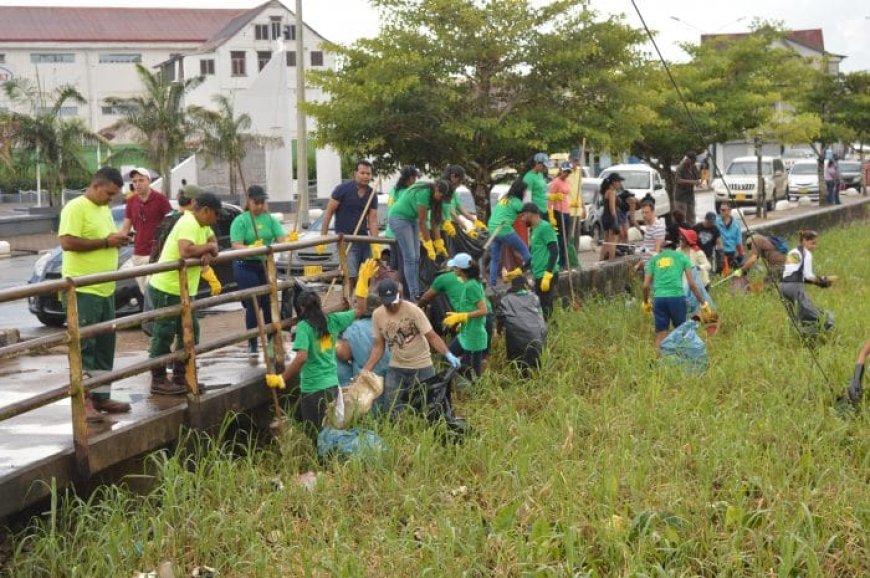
78 384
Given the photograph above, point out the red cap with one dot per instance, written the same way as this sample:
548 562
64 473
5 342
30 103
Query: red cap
690 236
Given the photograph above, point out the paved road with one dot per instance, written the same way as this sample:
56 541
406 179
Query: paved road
14 272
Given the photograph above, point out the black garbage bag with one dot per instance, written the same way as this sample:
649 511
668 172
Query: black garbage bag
428 271
432 398
462 243
290 296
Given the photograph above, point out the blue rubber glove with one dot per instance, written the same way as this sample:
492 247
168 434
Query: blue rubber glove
452 360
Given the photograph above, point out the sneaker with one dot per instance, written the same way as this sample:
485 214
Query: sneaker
165 387
109 405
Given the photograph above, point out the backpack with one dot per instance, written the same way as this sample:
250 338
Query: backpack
779 244
161 234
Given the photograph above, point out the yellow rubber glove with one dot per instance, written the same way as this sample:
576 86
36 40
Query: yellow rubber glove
545 281
449 228
555 197
292 236
478 224
738 272
440 248
453 319
212 280
510 275
376 251
430 249
706 310
320 249
390 200
552 219
275 381
647 307
257 243
366 271
472 234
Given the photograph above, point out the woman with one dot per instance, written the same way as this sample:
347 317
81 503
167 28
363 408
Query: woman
501 221
832 181
609 220
408 221
798 271
407 177
255 227
469 312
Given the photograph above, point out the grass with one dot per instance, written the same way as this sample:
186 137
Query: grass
603 465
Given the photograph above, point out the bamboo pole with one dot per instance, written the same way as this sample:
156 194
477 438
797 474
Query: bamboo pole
187 334
76 391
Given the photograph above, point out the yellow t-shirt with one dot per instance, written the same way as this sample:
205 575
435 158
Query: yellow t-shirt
85 219
187 229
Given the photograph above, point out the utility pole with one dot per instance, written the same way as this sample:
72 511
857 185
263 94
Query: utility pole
760 200
301 136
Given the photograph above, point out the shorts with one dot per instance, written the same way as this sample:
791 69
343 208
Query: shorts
622 217
608 223
667 311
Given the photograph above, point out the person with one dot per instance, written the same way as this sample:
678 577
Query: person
559 208
347 203
687 178
689 246
90 244
520 318
832 181
355 344
610 187
469 312
190 238
314 344
544 249
672 228
731 236
626 208
654 233
797 272
501 221
761 248
455 175
533 175
709 238
254 227
576 206
409 220
856 387
143 213
664 274
705 173
403 327
408 175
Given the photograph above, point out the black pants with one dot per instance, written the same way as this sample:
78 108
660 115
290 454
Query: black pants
546 298
312 409
565 223
250 274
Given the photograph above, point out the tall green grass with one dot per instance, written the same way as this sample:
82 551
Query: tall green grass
605 464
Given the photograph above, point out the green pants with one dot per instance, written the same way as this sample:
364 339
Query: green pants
98 353
169 328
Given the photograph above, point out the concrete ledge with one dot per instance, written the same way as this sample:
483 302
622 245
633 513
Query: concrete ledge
27 225
824 218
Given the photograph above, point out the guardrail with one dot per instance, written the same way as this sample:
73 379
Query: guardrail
73 336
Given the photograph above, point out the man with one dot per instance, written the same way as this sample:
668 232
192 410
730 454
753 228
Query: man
143 213
544 248
688 178
653 235
404 327
348 201
90 245
559 207
190 238
732 238
709 239
761 247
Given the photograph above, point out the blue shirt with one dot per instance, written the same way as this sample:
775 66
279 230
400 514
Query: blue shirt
732 236
350 208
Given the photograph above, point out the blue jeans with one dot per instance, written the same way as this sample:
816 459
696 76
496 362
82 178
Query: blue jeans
408 238
833 192
397 386
358 253
514 242
250 274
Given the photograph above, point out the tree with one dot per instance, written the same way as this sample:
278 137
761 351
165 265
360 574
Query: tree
159 119
484 84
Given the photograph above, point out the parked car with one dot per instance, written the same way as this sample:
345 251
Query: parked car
741 176
642 180
308 261
851 175
128 299
803 180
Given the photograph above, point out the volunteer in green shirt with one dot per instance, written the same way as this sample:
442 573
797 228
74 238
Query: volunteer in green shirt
314 346
665 273
544 246
90 242
468 312
190 238
407 177
533 175
455 175
501 226
251 271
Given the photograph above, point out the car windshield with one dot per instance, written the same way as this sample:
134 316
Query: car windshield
748 168
804 169
850 167
633 179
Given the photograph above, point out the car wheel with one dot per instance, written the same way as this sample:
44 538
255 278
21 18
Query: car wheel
50 320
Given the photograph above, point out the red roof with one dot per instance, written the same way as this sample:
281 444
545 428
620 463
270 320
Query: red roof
61 24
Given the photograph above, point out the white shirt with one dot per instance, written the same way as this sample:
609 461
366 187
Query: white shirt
793 262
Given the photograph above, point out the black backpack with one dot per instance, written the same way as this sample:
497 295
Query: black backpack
162 233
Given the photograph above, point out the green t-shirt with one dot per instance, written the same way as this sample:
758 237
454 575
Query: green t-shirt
186 229
85 219
268 228
667 270
320 371
504 213
407 201
449 284
472 336
542 235
538 189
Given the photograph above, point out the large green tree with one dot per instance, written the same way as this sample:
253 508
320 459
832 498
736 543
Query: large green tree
481 83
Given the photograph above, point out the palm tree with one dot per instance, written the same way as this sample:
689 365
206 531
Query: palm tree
159 118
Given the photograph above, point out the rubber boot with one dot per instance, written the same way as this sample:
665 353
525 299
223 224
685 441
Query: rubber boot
856 388
178 378
160 384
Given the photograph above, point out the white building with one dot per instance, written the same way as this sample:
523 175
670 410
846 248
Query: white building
248 55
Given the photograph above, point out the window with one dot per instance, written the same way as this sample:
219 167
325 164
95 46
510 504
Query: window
120 58
237 61
46 57
261 31
316 58
116 109
291 58
2 59
64 110
263 58
289 32
206 66
275 22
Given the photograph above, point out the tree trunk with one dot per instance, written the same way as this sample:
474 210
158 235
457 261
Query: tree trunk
241 176
482 188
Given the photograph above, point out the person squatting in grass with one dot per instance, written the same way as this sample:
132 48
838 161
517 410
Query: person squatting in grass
797 272
501 222
761 248
544 248
469 313
316 337
664 274
856 387
255 227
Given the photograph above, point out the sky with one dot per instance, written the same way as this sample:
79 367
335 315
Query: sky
845 23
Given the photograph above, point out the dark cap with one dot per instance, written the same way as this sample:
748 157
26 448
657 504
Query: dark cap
691 156
613 177
710 216
531 208
208 200
257 193
388 291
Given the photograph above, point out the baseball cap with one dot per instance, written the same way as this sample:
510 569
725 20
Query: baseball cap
388 291
613 177
140 171
461 260
566 167
531 208
257 193
710 216
208 200
541 158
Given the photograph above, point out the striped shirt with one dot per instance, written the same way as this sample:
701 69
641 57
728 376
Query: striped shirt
652 233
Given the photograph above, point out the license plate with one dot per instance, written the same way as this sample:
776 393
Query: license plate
740 197
803 190
310 270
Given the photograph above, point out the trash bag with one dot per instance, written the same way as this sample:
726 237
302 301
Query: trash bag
524 327
685 348
348 442
355 400
432 398
428 271
462 243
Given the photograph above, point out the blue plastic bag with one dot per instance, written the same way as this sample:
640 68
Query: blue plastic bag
692 304
348 442
685 348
